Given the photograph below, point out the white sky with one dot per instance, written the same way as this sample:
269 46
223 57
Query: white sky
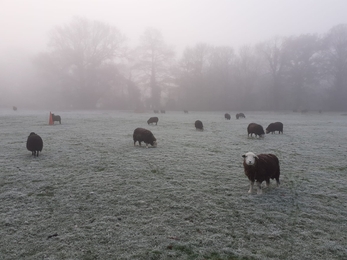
24 24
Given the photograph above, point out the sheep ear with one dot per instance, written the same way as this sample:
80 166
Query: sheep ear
257 157
244 156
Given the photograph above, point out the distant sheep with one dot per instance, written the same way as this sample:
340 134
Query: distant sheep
273 127
156 111
240 115
34 144
259 168
198 125
56 118
255 129
227 116
153 120
14 108
144 135
162 111
185 111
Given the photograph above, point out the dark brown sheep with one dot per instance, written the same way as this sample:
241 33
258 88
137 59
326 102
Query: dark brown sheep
198 125
255 129
153 120
144 135
273 127
56 118
240 115
261 167
227 116
34 144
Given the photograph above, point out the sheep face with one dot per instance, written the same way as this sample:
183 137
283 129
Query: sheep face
250 158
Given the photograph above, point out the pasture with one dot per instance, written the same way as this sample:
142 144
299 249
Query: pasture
92 195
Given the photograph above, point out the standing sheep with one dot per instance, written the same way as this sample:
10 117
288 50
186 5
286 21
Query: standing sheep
255 129
56 118
34 144
273 127
144 135
153 120
261 167
227 116
198 125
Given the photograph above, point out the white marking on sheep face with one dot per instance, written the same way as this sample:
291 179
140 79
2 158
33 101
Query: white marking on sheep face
250 158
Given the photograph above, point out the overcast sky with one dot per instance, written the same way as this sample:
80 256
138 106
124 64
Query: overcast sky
25 24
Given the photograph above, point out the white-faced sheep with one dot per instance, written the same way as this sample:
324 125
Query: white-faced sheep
261 167
34 144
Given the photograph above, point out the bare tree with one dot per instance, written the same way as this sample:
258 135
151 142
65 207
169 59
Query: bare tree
79 53
153 62
336 56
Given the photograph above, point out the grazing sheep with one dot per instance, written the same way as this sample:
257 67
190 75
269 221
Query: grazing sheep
56 118
156 111
255 129
240 115
198 125
144 135
162 111
185 111
273 127
34 144
227 116
153 120
259 168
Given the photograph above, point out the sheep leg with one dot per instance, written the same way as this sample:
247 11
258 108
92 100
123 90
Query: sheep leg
278 182
251 187
259 191
267 183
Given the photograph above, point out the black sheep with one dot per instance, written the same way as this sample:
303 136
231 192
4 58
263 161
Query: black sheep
144 135
273 127
255 129
153 120
227 116
56 118
261 167
34 144
198 125
240 115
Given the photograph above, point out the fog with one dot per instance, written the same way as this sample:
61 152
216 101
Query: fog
234 41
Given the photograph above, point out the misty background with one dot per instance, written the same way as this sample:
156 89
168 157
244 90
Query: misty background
174 55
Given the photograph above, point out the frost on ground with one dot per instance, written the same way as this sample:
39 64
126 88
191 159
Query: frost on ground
92 195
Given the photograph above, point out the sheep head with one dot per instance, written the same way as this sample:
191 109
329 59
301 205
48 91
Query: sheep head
250 158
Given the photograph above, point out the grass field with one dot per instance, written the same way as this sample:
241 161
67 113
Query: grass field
92 195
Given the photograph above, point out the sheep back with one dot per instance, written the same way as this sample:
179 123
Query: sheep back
198 125
34 144
266 167
255 129
153 120
144 135
273 127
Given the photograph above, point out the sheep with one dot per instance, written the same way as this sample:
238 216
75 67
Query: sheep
156 111
162 111
240 115
227 116
185 111
14 108
259 168
34 144
273 127
144 135
255 129
153 120
56 118
198 125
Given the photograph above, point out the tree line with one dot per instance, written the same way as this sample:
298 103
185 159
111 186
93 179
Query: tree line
88 65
